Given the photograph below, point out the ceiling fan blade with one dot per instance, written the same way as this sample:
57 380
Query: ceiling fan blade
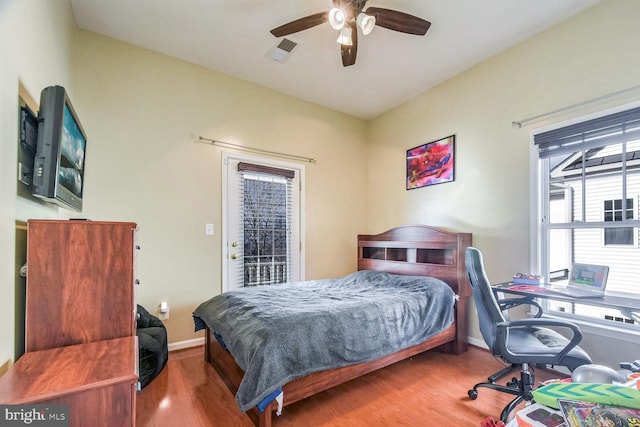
399 21
300 24
347 52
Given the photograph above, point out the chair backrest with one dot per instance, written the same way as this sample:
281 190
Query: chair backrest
489 313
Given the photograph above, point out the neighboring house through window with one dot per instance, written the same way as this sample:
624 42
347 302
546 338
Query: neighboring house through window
615 210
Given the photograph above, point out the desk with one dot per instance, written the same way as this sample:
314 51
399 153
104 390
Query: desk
615 300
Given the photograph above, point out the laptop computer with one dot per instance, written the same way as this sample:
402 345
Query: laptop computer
585 281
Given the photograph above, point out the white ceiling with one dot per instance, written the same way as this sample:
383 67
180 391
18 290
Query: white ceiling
232 36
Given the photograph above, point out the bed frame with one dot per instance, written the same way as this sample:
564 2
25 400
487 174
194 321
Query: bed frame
411 250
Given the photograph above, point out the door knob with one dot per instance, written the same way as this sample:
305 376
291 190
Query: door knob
234 256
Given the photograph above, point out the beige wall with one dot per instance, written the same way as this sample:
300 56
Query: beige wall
587 56
143 113
35 46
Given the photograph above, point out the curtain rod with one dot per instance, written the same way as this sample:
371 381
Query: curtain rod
519 123
255 150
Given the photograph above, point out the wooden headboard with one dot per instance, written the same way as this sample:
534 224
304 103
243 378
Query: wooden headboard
421 250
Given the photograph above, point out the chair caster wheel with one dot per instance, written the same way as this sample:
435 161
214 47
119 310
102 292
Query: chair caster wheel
473 394
515 382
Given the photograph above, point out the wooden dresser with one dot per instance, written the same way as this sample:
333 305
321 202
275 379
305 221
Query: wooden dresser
80 336
80 282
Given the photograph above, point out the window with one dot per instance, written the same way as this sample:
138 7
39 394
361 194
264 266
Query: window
613 211
587 210
262 222
267 199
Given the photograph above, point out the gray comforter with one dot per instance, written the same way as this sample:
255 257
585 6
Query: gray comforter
282 332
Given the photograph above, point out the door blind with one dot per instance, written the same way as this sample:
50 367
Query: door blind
266 198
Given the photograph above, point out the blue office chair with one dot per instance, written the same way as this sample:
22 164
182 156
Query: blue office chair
522 343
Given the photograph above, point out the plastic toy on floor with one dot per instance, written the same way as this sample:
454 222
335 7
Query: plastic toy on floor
490 422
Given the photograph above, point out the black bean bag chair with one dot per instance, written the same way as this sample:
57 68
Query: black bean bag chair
152 346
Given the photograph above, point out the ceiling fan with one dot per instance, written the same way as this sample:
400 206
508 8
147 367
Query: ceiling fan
347 16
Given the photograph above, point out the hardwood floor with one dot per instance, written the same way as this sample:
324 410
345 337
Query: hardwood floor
428 389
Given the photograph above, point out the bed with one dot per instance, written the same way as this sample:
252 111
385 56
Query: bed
425 267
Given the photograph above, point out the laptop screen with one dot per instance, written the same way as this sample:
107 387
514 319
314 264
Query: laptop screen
588 276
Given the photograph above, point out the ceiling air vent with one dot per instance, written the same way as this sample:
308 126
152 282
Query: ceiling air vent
283 50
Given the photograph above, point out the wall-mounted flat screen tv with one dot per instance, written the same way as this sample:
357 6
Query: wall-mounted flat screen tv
58 170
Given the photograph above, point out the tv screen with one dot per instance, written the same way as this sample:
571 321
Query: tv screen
60 156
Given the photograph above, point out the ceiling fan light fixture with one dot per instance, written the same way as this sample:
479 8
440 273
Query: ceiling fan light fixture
366 22
346 16
337 18
345 37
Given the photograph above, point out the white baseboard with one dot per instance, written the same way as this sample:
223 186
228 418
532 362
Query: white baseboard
186 344
477 342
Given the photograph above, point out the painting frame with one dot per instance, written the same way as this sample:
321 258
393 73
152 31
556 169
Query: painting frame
431 163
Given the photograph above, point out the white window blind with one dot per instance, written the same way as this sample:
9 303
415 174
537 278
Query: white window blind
266 198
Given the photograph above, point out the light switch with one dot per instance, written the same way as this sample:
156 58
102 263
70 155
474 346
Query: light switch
208 229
